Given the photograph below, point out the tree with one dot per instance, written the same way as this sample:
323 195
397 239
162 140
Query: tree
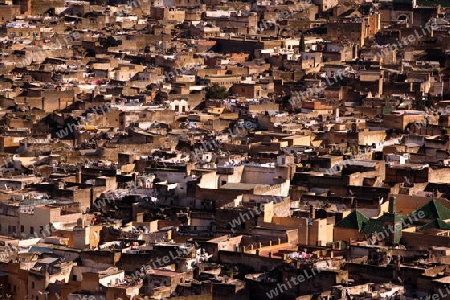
302 46
418 102
216 91
111 42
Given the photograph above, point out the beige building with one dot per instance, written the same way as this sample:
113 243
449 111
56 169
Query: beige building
23 31
44 272
172 14
226 81
35 221
8 12
36 7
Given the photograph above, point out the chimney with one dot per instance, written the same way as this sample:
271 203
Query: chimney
80 223
79 176
380 84
312 212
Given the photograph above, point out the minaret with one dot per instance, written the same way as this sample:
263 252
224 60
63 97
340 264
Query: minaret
392 205
393 223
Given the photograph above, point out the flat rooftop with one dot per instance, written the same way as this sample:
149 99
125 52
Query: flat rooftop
239 186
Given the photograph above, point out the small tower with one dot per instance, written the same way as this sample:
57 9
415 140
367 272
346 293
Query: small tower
80 223
312 212
393 223
392 205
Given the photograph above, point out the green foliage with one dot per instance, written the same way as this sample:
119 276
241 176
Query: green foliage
444 3
302 46
215 91
418 103
111 42
100 2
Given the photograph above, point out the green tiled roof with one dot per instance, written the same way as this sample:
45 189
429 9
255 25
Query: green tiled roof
436 224
445 3
355 220
376 225
373 226
433 210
